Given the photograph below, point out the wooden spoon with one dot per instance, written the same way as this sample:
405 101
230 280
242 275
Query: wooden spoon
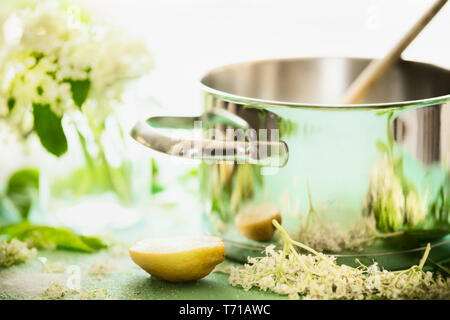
367 79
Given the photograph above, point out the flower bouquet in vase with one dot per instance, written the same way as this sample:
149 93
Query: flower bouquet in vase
63 75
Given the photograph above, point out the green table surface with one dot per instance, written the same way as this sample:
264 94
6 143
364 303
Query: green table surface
169 214
128 281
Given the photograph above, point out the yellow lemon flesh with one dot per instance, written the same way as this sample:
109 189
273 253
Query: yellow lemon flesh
256 223
178 259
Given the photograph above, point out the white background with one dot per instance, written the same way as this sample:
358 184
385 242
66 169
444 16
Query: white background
189 37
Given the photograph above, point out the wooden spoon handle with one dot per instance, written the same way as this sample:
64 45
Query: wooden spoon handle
367 79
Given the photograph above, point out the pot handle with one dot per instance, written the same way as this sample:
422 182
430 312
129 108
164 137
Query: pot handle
260 152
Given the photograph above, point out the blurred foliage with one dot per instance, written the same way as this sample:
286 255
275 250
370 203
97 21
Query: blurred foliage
156 187
229 186
51 238
16 203
94 180
79 90
21 191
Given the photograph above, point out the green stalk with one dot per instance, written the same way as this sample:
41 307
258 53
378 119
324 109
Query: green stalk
311 210
425 256
87 177
117 181
287 239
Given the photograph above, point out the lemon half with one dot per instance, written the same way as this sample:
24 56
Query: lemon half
178 259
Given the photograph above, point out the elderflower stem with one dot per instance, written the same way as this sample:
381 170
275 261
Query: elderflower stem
311 210
425 256
299 259
305 247
420 266
285 252
361 265
288 239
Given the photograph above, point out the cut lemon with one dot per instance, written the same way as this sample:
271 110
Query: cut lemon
178 259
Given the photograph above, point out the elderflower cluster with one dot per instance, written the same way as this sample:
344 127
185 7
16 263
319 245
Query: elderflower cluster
58 289
329 237
308 276
386 201
322 235
14 252
101 268
413 283
51 50
99 294
318 276
55 290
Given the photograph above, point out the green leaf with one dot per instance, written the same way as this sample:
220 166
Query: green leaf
80 90
25 178
11 103
93 242
38 56
48 127
39 90
156 187
58 238
50 237
22 187
13 230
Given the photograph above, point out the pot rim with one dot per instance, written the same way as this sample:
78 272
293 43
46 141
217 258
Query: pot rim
263 103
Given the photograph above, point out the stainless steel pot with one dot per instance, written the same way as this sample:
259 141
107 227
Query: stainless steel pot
377 170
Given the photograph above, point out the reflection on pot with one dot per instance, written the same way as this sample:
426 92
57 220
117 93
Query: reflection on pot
401 202
425 133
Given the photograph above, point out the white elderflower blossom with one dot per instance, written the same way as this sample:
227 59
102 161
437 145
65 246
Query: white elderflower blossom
56 290
14 252
101 268
323 235
99 294
318 276
53 54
